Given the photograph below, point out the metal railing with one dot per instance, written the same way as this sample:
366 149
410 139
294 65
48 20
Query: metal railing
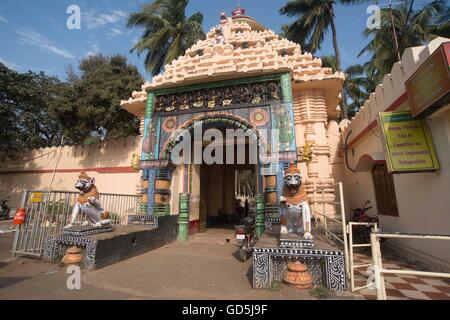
354 266
339 232
378 265
48 212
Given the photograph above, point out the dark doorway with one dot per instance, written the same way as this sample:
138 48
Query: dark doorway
227 193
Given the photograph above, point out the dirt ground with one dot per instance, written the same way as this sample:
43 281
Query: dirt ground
205 267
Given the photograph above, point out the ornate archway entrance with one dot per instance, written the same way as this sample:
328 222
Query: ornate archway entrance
221 120
222 191
257 106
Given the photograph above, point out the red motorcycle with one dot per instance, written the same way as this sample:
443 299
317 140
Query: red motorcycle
245 236
361 233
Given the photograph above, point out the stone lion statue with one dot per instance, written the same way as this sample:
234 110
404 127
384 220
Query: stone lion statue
297 215
88 203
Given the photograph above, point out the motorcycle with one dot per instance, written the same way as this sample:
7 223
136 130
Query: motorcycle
361 233
245 236
4 209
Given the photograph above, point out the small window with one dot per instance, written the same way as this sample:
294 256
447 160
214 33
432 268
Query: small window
384 191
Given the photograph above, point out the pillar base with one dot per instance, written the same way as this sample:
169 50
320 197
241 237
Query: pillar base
183 220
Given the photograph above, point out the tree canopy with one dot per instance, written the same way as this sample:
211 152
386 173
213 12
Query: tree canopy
26 104
89 105
37 109
413 27
314 19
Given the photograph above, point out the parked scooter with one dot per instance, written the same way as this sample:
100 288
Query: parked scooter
245 236
4 209
361 233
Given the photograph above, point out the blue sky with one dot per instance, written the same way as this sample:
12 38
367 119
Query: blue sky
34 36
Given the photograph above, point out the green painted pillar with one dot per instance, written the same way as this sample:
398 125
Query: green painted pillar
149 106
260 214
183 219
286 87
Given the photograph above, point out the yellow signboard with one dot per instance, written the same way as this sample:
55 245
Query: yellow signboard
36 197
409 146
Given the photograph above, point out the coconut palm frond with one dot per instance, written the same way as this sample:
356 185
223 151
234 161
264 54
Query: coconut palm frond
167 32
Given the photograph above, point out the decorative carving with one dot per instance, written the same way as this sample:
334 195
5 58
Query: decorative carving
55 246
327 266
210 98
146 221
87 230
220 39
135 161
151 164
296 243
261 271
149 142
259 117
170 124
335 272
307 152
282 120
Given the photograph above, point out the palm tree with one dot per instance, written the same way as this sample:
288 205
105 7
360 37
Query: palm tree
167 32
315 18
413 27
357 85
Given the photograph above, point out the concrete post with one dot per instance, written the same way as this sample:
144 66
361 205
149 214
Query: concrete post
260 214
183 219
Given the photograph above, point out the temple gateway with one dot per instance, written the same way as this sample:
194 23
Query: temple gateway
242 76
242 133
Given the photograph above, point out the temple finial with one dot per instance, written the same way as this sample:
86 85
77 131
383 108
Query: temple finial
238 11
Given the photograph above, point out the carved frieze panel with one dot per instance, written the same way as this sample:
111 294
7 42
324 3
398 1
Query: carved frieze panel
213 98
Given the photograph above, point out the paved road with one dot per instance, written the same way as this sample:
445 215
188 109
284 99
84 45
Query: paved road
5 223
202 268
6 240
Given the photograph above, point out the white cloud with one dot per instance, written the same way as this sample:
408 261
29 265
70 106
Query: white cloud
35 39
120 13
114 32
11 65
3 19
92 20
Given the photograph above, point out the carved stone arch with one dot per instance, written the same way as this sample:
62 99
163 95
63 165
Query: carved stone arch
224 118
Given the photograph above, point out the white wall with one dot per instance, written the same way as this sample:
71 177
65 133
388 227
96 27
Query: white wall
36 174
423 198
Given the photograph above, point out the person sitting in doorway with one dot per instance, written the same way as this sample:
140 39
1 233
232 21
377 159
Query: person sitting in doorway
246 207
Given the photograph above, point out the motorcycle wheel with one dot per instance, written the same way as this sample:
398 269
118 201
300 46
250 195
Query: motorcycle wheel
243 253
